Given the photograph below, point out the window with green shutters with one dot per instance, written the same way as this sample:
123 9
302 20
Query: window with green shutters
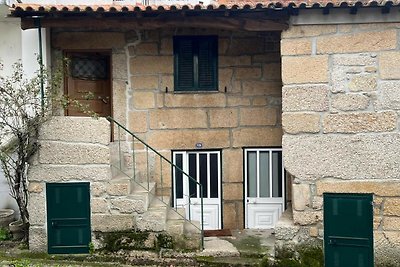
195 63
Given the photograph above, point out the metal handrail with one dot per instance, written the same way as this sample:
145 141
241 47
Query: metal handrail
112 120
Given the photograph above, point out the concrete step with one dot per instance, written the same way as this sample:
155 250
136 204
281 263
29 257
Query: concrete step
76 129
60 152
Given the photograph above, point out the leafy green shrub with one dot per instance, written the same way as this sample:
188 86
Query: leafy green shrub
4 234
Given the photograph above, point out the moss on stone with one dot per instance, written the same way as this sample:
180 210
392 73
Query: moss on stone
299 256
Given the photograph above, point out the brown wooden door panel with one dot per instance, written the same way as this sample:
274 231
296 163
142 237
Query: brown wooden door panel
94 94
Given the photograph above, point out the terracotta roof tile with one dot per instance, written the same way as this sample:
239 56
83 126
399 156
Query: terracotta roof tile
221 5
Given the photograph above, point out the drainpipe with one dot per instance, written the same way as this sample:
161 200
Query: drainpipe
38 24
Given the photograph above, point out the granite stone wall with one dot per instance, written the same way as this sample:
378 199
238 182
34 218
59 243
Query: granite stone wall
341 103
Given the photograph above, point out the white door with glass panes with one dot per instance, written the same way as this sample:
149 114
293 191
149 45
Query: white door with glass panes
264 187
205 168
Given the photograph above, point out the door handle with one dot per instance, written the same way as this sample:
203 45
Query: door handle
104 99
54 224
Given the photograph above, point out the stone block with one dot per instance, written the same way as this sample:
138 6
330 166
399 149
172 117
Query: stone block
313 231
233 61
126 205
260 101
258 116
305 69
259 136
54 173
305 98
392 207
386 248
118 189
99 205
224 78
89 40
64 128
232 191
308 31
272 71
391 223
260 88
295 47
223 45
178 118
119 100
167 46
146 49
112 223
363 59
223 118
53 152
143 100
195 100
233 165
119 66
317 202
301 196
34 187
307 217
37 239
380 188
137 121
362 83
246 46
97 189
357 42
247 73
357 157
144 82
389 65
389 95
37 209
167 83
235 101
230 215
360 122
151 65
350 102
187 139
295 123
267 57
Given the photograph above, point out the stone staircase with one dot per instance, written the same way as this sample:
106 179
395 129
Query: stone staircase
76 149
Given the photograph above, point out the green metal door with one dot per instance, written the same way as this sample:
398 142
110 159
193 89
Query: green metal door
348 230
68 217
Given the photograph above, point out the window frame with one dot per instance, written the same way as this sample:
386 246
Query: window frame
213 40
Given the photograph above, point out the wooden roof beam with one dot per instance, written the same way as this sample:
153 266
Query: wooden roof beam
223 23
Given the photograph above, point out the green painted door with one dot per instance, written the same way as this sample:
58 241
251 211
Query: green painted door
348 230
68 217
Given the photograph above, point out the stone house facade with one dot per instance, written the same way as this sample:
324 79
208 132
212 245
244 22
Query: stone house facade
320 83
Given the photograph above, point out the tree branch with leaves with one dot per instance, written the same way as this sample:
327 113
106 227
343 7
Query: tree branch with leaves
22 112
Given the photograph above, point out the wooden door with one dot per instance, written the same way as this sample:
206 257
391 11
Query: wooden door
68 217
88 84
348 230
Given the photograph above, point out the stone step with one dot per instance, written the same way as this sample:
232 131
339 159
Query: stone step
59 152
192 228
76 129
155 219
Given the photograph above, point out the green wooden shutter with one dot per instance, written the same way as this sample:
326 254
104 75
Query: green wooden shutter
195 59
184 64
207 64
